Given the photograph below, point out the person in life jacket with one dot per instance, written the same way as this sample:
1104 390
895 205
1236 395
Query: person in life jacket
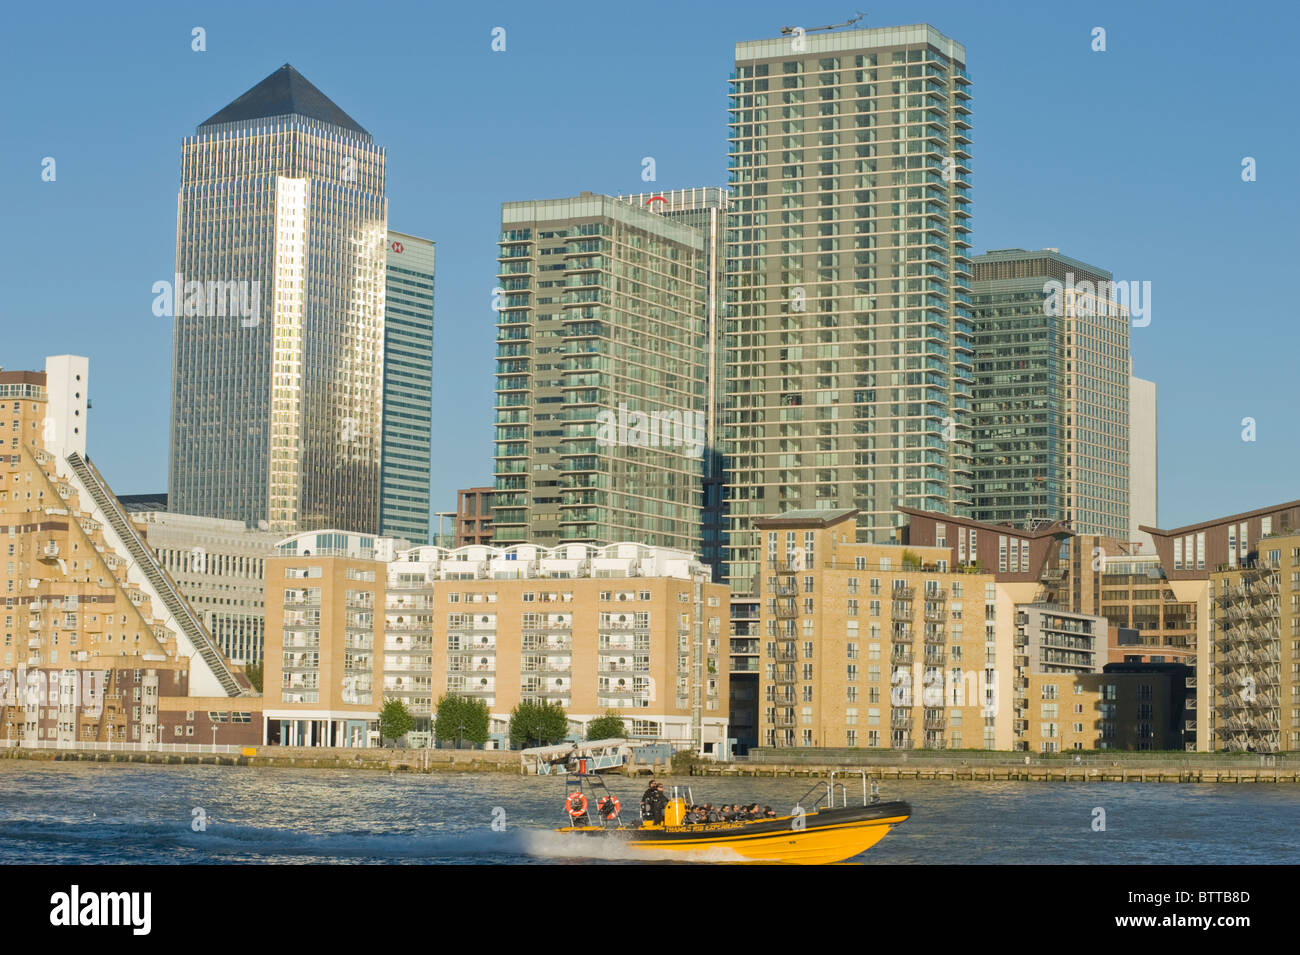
660 803
648 801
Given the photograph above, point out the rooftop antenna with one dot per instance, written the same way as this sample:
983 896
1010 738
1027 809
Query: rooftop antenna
786 31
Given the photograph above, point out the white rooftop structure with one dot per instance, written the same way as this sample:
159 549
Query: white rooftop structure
529 561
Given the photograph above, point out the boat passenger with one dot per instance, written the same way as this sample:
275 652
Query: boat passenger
648 799
660 803
769 812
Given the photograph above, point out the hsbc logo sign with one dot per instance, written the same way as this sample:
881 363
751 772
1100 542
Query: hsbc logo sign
397 247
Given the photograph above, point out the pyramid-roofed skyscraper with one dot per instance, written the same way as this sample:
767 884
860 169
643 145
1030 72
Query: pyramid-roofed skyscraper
277 391
286 92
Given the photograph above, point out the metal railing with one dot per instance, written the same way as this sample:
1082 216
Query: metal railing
1098 759
123 747
154 573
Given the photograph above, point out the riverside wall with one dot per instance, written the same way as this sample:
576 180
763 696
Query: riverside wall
974 767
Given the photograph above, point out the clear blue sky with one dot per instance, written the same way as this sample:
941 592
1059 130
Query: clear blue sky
1129 159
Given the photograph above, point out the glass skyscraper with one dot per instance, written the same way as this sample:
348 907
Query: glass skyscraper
705 208
408 387
601 394
277 399
1052 386
849 349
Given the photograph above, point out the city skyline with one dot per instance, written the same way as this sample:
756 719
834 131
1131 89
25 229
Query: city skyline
1204 434
865 429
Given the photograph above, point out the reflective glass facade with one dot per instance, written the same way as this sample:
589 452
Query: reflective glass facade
601 396
705 208
408 387
277 405
1052 390
849 351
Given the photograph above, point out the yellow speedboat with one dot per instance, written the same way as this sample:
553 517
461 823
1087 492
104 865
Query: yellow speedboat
816 831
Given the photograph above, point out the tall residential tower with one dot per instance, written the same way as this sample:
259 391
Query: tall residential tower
849 329
601 385
705 208
277 380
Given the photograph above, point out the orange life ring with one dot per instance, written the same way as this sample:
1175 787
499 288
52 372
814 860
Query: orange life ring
576 804
607 801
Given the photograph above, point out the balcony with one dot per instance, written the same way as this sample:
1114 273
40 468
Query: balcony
621 642
611 666
622 622
900 719
49 552
535 643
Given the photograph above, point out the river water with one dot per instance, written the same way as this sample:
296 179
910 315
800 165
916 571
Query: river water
105 813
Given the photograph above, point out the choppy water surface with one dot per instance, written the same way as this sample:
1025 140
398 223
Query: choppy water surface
79 813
